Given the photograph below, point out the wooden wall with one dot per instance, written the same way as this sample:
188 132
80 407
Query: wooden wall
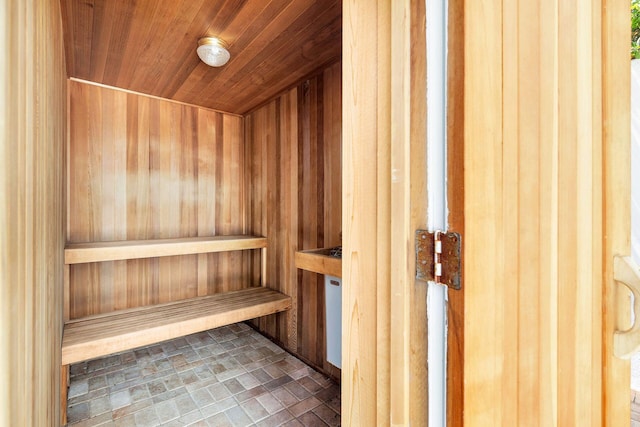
143 168
546 209
293 178
32 140
384 308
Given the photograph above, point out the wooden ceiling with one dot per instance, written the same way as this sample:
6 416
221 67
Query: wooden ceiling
149 46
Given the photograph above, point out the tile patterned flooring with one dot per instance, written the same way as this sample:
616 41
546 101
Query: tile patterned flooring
229 376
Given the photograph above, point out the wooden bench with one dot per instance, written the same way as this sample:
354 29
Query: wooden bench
99 335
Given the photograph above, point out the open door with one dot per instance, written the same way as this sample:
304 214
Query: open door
540 178
546 206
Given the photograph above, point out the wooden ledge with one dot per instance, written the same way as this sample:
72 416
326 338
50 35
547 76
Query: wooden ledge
78 253
318 261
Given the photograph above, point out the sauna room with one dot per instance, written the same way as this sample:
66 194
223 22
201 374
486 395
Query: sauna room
170 222
203 216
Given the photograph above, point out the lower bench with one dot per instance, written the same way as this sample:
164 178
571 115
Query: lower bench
95 336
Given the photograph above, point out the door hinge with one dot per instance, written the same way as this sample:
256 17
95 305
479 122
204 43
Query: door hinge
438 257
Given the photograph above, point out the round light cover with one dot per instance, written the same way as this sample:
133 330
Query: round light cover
213 51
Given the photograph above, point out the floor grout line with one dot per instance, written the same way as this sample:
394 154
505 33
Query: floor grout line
230 376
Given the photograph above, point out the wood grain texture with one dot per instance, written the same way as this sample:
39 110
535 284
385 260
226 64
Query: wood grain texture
293 181
384 184
32 140
100 335
366 215
79 253
149 46
418 384
144 168
538 192
321 264
617 206
455 202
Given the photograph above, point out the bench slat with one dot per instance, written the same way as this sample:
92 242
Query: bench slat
78 253
103 334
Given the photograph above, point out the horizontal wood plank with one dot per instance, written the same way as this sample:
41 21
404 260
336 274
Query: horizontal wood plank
78 253
103 334
321 264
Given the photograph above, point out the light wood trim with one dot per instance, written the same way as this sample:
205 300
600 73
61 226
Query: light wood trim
617 204
66 295
365 338
146 95
455 203
321 264
32 147
64 392
402 163
104 334
78 253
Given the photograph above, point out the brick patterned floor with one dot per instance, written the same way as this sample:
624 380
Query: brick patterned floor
229 376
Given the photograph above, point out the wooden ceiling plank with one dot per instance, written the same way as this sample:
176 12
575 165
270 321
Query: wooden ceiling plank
120 38
78 23
327 45
160 56
239 35
142 32
234 34
103 13
276 33
297 65
207 22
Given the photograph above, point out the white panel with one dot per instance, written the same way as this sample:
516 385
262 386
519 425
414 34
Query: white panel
333 312
635 160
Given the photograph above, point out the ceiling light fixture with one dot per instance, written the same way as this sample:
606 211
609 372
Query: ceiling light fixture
213 51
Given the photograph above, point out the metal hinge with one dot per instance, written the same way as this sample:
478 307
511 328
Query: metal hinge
438 257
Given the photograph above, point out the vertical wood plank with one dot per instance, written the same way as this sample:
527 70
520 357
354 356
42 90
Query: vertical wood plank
400 166
455 200
33 117
617 206
418 414
360 299
483 122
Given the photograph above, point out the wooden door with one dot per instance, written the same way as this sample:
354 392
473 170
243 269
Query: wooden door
541 190
546 205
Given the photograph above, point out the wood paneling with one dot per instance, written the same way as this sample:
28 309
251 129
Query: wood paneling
149 46
144 168
366 216
32 140
384 307
455 204
617 205
546 208
294 198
